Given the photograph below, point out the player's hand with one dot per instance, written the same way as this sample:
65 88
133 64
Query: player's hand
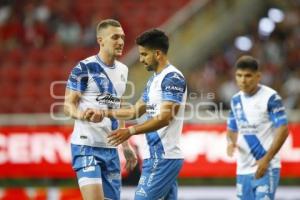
130 156
93 115
119 136
262 166
231 149
87 114
97 116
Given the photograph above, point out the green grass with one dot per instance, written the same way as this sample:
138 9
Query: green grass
73 182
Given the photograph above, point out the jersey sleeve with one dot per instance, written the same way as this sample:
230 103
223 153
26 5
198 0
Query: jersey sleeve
231 122
78 78
276 111
173 87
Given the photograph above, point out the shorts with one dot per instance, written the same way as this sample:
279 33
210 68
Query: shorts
96 165
158 179
249 188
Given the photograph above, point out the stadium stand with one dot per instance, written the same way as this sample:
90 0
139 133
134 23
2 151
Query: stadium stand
42 40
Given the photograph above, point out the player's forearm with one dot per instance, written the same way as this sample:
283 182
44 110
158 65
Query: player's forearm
72 111
122 125
231 137
151 125
122 114
280 137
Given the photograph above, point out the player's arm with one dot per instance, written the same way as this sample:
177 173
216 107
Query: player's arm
168 112
129 154
76 85
280 136
231 142
133 112
278 117
232 134
71 104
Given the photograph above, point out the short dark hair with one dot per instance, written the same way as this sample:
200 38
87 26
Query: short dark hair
105 23
154 39
247 62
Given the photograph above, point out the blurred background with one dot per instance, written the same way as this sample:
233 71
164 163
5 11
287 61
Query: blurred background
42 40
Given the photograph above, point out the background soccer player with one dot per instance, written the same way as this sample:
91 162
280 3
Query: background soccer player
257 128
163 102
98 82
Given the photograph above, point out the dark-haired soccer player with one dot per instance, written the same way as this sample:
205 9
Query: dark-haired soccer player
257 129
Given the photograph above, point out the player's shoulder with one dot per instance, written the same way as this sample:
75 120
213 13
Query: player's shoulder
90 59
267 90
120 64
236 96
269 94
84 63
172 72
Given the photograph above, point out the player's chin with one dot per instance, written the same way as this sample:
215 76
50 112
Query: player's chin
243 88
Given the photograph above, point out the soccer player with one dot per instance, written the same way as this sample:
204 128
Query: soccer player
163 101
257 129
98 82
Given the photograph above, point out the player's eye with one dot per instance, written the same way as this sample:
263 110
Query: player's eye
115 37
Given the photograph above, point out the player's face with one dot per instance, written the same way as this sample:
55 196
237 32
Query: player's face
112 41
247 80
148 58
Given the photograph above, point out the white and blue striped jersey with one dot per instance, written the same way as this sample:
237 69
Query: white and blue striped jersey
168 85
102 87
255 119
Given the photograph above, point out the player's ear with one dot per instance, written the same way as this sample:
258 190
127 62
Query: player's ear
258 75
158 54
99 40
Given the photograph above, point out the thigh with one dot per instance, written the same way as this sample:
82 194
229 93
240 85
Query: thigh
244 187
266 186
92 192
158 179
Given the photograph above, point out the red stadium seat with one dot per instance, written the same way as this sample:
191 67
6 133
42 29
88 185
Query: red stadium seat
31 72
27 90
54 54
15 55
35 55
52 71
10 72
8 89
77 54
6 105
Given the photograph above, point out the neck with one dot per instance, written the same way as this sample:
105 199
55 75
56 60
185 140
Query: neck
106 58
253 91
162 65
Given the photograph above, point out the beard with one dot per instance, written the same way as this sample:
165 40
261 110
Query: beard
152 66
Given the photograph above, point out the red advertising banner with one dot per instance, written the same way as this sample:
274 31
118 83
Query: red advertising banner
44 152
